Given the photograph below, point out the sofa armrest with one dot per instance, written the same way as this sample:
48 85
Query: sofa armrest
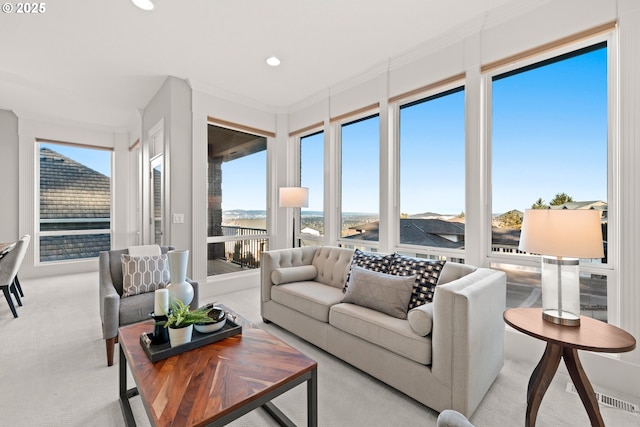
271 260
468 335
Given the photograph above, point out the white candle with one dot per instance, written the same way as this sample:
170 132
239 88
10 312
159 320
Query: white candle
161 307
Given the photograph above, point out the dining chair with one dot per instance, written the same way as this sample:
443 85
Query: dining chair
9 266
27 239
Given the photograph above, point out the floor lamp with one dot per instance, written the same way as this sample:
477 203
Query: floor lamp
562 237
294 197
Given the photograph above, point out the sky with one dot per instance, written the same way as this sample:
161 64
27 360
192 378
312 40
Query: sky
549 135
98 160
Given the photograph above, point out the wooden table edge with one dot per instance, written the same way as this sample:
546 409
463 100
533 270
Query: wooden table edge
583 319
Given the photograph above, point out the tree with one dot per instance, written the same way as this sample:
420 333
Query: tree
561 199
539 204
512 219
461 215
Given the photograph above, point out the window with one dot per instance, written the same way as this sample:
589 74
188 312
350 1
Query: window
432 171
74 202
550 150
237 201
360 161
312 177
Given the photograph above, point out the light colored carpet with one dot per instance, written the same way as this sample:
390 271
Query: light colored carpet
53 373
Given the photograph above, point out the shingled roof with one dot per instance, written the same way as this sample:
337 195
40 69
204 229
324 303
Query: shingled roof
72 197
69 189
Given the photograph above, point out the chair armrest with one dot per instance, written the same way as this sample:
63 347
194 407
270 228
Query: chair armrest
109 298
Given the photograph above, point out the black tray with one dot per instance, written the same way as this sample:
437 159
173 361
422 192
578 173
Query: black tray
158 352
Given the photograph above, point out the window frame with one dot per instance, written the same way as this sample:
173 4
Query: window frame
38 233
308 132
432 91
610 269
336 130
269 137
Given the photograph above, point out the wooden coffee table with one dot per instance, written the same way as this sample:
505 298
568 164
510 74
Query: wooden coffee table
564 342
214 384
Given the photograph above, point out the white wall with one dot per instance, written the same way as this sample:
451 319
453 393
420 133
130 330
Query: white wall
9 167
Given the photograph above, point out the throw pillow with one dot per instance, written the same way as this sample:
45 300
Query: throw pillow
300 273
141 274
421 319
426 271
370 261
379 291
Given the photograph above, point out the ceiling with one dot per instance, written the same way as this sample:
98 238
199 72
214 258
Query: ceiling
100 61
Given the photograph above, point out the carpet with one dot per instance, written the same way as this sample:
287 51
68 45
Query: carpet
53 372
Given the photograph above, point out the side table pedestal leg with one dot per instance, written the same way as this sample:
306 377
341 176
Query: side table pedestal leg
583 386
540 380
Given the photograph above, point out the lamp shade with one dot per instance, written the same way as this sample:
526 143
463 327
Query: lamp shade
294 197
562 233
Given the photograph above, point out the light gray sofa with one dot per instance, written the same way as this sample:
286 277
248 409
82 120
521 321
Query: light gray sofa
451 367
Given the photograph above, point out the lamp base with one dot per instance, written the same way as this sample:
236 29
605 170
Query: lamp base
565 318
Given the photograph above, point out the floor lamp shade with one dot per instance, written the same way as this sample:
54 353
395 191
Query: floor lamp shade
294 197
562 237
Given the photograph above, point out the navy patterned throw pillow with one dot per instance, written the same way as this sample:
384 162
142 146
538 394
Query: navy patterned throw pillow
370 261
426 271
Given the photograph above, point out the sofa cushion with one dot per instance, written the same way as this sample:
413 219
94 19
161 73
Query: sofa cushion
300 273
380 291
311 298
370 261
421 319
385 331
136 308
426 272
142 274
332 264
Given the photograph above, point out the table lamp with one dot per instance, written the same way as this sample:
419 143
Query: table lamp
562 237
294 197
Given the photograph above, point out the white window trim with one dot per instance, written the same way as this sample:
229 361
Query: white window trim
611 268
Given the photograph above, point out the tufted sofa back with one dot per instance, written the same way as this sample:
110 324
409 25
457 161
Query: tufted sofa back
332 264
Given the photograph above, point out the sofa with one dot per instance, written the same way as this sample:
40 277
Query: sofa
444 354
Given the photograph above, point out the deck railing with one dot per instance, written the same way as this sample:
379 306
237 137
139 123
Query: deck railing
244 252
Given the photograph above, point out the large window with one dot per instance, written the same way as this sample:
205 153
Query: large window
432 171
237 201
312 177
360 157
549 151
74 201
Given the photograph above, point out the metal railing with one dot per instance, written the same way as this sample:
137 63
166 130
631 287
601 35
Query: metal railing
244 252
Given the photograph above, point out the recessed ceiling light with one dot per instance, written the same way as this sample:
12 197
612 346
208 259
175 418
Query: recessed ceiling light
143 4
273 61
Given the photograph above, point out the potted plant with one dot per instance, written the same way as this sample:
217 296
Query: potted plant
180 321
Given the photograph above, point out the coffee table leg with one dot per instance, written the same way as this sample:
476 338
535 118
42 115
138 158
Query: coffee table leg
125 394
540 380
312 399
583 386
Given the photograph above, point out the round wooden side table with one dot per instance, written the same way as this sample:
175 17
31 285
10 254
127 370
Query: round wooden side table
564 342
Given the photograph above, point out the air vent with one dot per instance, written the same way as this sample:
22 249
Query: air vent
612 402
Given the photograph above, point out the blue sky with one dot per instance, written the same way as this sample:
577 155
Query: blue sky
549 136
98 160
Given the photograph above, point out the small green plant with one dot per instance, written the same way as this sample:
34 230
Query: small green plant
180 316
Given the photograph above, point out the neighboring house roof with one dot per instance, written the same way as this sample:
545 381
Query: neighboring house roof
592 204
418 231
69 189
75 196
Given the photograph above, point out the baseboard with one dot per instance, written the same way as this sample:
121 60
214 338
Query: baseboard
227 283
